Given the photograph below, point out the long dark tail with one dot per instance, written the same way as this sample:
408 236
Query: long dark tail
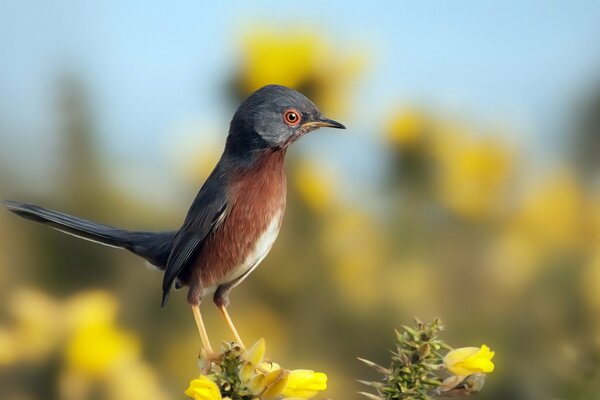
152 246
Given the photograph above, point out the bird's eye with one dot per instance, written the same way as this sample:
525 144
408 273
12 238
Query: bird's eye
291 117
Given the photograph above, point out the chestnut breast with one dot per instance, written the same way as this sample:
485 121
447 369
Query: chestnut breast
250 226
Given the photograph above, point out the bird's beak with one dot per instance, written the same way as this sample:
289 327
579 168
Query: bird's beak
323 122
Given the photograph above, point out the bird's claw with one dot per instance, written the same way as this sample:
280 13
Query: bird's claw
206 359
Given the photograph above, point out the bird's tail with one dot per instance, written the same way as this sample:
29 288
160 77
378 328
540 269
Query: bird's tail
152 246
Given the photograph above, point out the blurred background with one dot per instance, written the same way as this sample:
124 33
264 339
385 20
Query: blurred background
466 187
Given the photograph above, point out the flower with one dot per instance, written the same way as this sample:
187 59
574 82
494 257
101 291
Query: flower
276 382
98 350
245 374
406 128
469 360
304 383
473 173
96 345
203 388
298 58
256 353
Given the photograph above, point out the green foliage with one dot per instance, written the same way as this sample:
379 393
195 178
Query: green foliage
416 360
225 370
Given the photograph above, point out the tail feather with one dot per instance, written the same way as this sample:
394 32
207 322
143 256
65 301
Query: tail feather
152 246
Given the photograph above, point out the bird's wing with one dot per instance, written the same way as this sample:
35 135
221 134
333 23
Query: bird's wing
206 213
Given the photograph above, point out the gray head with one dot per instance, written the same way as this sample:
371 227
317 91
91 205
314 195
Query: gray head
276 116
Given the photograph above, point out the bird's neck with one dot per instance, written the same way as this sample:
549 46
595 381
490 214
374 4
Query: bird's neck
249 149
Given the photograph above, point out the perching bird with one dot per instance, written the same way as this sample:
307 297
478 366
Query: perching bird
235 217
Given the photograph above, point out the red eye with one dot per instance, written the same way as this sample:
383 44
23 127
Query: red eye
291 117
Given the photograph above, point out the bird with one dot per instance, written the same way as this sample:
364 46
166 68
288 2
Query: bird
236 215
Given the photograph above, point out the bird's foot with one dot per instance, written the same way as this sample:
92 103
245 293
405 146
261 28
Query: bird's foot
206 359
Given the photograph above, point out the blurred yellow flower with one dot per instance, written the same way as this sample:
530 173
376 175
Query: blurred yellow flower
91 308
300 59
469 360
203 388
553 213
135 380
305 384
285 59
472 173
406 128
95 345
8 350
513 259
38 324
96 350
84 330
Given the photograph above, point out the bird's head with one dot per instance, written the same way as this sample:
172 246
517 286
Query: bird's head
278 116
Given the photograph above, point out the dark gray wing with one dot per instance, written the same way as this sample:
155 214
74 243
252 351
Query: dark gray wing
205 214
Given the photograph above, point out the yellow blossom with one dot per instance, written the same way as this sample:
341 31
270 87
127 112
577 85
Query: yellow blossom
203 388
304 383
301 59
406 128
269 366
38 324
97 350
470 360
553 214
276 382
256 353
90 308
257 384
473 172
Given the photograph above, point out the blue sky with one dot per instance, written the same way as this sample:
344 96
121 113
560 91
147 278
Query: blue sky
152 66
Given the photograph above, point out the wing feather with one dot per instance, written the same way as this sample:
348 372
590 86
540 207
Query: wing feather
207 212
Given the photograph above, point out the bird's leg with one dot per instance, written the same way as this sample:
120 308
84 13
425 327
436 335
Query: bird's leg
221 299
201 329
237 337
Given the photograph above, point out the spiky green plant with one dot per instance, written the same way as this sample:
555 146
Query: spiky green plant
416 365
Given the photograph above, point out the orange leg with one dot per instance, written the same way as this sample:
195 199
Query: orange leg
230 324
201 329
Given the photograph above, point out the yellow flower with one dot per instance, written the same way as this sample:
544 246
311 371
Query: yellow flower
276 382
553 214
299 58
98 350
473 173
406 128
256 353
304 383
269 366
90 308
203 388
470 360
38 324
96 346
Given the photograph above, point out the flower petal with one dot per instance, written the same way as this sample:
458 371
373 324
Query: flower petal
276 383
203 388
304 383
469 360
256 353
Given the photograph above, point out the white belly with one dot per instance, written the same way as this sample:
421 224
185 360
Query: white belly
261 249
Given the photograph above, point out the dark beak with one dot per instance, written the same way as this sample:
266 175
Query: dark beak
322 122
